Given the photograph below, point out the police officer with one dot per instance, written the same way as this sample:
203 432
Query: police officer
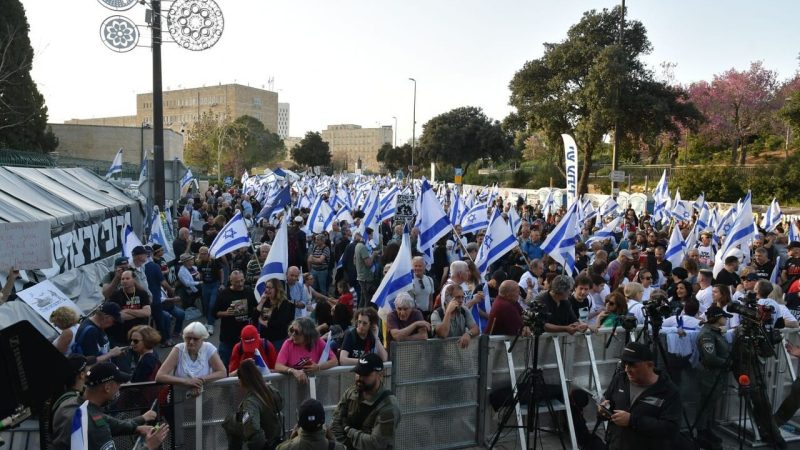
642 405
367 414
714 365
310 433
102 387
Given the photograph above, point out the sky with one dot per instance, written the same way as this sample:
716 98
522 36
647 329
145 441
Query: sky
349 61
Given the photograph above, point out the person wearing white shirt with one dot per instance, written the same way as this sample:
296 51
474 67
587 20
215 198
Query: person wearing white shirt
688 318
633 293
704 296
530 279
763 289
188 274
645 278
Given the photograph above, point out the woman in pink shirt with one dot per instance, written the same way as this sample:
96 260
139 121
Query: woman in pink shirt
304 354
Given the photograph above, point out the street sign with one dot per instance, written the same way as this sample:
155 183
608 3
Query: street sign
459 171
404 209
228 181
617 176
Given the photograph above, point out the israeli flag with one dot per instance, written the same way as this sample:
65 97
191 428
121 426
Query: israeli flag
794 234
399 278
679 211
455 207
116 165
608 208
232 236
320 217
498 241
277 262
703 218
700 203
433 222
157 236
371 216
130 241
514 220
343 214
676 248
776 272
607 231
476 219
79 438
661 198
142 174
773 216
276 203
484 306
186 179
549 204
245 176
740 235
259 361
560 243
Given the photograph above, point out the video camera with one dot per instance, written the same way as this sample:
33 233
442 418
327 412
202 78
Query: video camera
757 325
535 317
751 310
660 307
628 323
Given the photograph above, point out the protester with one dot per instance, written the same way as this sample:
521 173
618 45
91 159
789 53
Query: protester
143 340
91 339
406 322
422 288
275 313
453 319
302 354
250 343
67 321
193 362
362 339
616 307
235 308
556 299
368 414
211 277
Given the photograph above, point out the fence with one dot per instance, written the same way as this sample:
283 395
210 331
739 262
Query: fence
444 392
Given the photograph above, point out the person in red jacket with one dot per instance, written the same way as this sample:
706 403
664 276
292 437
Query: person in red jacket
505 317
246 348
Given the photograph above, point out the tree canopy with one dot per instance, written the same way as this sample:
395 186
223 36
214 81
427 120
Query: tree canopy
312 151
23 114
394 158
462 136
584 84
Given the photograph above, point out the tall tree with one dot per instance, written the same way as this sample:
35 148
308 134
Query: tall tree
584 83
204 145
738 106
251 144
23 114
462 136
312 151
394 158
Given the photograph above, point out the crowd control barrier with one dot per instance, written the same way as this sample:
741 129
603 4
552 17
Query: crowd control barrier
444 392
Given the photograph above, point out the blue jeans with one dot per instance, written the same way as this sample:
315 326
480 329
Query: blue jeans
179 315
320 281
210 291
225 351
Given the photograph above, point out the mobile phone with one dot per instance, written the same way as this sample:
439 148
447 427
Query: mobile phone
605 411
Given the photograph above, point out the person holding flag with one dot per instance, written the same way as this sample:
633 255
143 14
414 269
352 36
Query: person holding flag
250 344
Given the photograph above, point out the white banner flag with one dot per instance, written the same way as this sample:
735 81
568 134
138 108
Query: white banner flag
571 167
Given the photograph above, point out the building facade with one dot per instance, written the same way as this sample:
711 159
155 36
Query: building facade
183 107
283 120
101 142
349 143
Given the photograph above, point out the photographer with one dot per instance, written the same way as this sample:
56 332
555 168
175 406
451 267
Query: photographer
763 289
643 407
562 317
714 351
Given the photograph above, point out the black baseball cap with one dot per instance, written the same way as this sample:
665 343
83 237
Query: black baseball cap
111 309
121 261
715 312
105 372
752 276
310 415
793 244
368 364
636 352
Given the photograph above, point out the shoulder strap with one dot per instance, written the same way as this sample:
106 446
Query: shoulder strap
76 346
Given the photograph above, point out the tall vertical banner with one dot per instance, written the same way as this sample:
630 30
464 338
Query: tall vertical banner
571 167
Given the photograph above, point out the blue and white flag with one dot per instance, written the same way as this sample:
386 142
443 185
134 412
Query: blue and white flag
455 208
433 223
498 241
130 241
703 218
157 236
244 177
772 218
187 178
320 217
514 220
700 203
608 208
679 210
476 219
661 198
275 204
116 165
277 262
676 249
560 243
142 174
794 234
606 233
739 236
483 306
399 278
549 203
775 276
79 437
232 236
259 361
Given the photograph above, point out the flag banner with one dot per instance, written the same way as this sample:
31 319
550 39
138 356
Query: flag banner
232 236
116 165
277 262
571 167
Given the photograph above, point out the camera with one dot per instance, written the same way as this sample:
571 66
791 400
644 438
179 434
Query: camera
627 322
535 317
659 307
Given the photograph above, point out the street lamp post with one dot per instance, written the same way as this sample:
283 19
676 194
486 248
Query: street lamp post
395 130
413 127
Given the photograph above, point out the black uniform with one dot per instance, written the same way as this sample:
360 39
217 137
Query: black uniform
655 415
714 351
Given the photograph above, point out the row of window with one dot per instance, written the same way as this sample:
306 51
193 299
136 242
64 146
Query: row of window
183 102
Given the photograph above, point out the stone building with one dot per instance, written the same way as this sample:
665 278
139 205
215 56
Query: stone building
349 143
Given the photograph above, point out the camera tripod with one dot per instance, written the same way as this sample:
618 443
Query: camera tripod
529 384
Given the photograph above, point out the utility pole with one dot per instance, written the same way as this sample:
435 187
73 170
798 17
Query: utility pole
617 126
413 128
158 108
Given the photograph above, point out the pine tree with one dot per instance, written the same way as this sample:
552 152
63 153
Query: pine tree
23 114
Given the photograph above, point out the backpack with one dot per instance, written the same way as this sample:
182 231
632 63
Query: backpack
264 347
76 345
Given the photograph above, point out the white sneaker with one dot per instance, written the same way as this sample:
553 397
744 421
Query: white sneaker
210 329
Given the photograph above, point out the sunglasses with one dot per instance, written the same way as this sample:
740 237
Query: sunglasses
293 331
135 341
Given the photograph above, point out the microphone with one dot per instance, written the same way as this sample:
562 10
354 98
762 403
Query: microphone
744 381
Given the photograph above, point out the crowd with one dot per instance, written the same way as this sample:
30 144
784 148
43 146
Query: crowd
321 315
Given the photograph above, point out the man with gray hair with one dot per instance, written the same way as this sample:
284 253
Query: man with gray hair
422 288
406 322
452 319
562 317
459 274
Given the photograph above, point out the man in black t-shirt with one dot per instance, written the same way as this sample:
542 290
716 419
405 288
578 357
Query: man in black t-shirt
236 308
728 275
556 300
579 300
135 308
762 264
791 270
